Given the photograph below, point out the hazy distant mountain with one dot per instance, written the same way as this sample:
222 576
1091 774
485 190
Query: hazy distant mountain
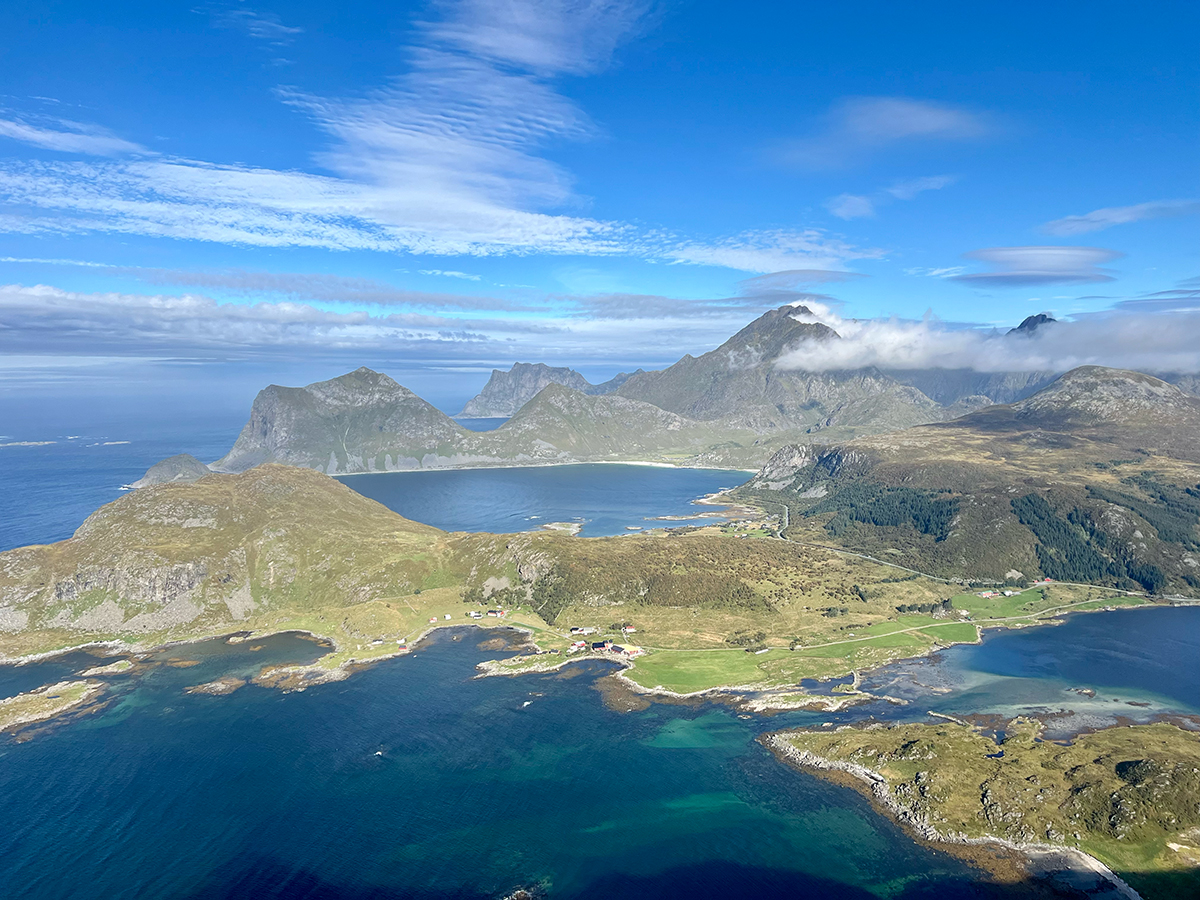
506 392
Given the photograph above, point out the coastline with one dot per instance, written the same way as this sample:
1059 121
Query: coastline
1037 859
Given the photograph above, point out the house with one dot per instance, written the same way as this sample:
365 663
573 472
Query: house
616 648
496 613
628 629
602 645
576 646
447 617
475 614
433 620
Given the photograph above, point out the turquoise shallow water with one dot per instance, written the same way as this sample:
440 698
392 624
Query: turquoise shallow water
415 779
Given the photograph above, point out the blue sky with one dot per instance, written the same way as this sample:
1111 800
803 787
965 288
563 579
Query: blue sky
280 192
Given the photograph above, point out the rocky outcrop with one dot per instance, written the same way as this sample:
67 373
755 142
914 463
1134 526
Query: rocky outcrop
182 467
507 392
361 422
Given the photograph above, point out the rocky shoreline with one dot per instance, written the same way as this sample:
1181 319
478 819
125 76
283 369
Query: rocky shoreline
1039 860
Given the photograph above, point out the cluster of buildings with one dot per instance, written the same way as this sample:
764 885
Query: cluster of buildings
604 647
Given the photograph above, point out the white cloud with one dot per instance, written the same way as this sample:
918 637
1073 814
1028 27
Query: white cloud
859 126
451 274
1099 219
68 137
906 190
857 206
445 160
1123 338
851 206
263 26
944 272
772 251
545 36
1025 266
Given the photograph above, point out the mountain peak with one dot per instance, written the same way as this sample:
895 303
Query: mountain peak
1097 395
1032 324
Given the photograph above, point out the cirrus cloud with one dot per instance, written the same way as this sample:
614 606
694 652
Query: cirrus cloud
1026 266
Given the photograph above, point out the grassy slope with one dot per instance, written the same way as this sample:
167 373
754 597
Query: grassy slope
984 471
1043 791
280 548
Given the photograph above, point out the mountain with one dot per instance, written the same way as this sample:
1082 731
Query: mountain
506 392
1030 324
567 425
360 422
1095 478
227 548
740 383
183 467
366 422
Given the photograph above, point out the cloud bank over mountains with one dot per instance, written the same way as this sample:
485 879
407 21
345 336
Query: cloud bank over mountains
1149 334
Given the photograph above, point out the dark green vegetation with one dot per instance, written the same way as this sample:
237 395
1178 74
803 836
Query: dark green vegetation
1095 479
1126 795
887 507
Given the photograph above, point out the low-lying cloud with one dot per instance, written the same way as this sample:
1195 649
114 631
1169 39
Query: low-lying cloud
1145 334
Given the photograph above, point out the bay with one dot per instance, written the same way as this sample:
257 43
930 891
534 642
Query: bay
604 499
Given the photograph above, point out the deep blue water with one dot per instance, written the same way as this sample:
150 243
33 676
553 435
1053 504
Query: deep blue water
412 779
415 779
47 491
604 499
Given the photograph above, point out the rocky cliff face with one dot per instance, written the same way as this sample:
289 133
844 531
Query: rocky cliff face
506 392
183 467
361 422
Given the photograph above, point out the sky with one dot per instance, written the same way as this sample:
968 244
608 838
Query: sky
198 199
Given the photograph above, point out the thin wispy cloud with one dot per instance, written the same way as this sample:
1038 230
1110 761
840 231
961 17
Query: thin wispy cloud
859 127
1099 219
851 206
1028 266
447 159
450 273
859 206
264 26
542 36
65 136
772 251
911 187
